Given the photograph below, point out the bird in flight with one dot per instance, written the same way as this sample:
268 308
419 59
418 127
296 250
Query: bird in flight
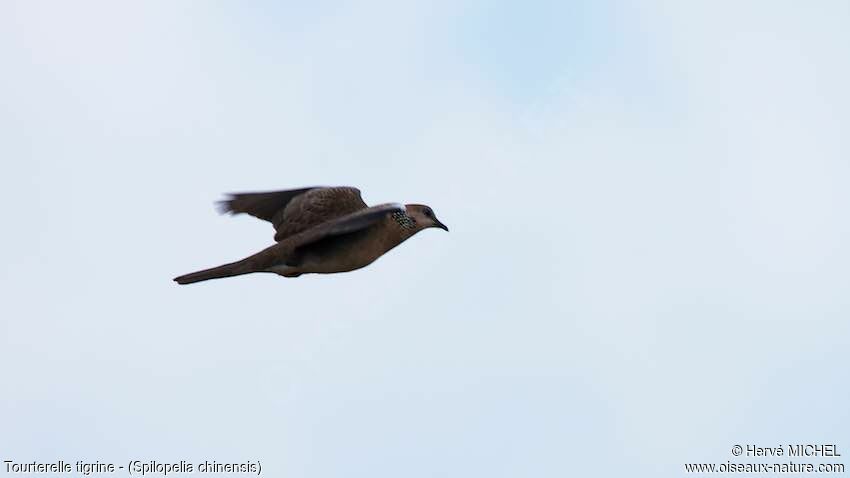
320 230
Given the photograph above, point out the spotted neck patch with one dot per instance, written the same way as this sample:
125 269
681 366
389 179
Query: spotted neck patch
402 219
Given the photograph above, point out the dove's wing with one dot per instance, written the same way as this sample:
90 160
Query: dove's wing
297 210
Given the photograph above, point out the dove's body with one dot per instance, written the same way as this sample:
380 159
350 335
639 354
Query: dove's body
356 250
321 230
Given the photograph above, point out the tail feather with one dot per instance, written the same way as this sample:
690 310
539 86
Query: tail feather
226 270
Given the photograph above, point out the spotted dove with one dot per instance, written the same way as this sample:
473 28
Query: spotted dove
320 230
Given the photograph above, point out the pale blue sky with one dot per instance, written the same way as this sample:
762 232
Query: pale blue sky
647 262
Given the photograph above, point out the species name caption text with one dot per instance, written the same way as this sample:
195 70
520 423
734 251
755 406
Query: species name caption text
133 467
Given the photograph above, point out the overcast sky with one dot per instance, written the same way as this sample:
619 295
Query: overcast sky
648 258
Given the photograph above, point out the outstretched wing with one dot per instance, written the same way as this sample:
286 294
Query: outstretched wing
297 210
341 229
262 205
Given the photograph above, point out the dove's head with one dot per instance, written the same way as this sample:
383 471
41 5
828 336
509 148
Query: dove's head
424 217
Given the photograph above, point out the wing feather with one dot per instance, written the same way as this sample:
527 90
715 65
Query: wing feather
294 211
348 224
262 205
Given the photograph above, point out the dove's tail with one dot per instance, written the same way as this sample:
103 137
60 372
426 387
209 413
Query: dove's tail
227 270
